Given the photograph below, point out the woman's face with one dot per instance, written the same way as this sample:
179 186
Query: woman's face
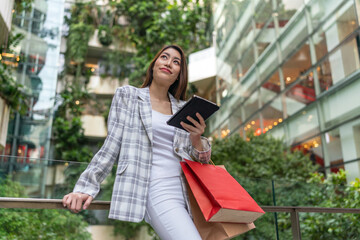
167 67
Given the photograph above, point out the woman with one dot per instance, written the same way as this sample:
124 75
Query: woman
148 182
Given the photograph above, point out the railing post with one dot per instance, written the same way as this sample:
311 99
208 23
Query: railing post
295 225
275 213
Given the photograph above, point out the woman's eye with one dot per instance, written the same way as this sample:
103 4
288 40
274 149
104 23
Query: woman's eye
177 62
163 56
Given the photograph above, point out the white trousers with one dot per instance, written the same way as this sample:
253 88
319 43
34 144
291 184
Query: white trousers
166 211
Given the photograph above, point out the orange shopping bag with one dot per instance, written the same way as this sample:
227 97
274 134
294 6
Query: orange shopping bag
220 197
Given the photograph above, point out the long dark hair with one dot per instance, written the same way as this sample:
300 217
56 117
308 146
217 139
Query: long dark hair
178 88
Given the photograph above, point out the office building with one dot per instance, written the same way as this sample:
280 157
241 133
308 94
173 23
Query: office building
291 69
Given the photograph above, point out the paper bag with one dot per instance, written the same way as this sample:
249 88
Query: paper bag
215 230
220 197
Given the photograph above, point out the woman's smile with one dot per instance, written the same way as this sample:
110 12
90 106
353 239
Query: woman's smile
166 70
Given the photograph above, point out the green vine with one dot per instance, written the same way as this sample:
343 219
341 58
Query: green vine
23 5
70 142
105 35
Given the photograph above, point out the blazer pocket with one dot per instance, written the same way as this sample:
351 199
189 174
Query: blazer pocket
121 167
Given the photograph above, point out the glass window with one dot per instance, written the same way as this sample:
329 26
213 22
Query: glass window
333 148
265 38
300 94
248 85
297 64
286 10
277 132
32 131
341 145
304 125
314 148
232 13
265 25
268 64
235 118
235 76
227 20
347 141
295 34
320 10
251 105
253 125
335 30
270 88
247 60
272 115
338 65
247 38
234 54
341 105
263 13
223 90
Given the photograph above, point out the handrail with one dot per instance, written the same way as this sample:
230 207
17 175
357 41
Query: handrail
40 203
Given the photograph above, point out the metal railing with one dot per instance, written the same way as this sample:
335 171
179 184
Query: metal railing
38 203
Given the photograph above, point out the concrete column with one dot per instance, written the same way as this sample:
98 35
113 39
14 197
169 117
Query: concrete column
350 146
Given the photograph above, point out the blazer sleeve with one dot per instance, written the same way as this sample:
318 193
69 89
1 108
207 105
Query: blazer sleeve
201 156
103 161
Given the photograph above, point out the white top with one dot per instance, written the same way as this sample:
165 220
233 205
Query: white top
165 162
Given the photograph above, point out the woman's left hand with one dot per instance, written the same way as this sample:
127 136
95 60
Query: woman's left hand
195 132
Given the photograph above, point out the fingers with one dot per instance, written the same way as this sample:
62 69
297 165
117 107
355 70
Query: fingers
74 201
73 204
201 119
199 126
64 200
87 202
78 204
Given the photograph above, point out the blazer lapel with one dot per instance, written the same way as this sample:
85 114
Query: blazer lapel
175 104
145 111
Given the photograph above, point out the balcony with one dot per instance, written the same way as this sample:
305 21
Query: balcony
104 85
96 49
94 126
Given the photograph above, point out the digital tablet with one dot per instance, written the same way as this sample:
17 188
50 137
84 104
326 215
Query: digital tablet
196 104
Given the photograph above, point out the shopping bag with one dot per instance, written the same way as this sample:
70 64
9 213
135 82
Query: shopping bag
220 197
215 230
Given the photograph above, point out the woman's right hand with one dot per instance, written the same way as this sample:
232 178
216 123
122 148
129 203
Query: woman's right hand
74 201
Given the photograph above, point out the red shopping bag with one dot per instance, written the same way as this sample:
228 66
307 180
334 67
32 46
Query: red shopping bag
215 230
220 197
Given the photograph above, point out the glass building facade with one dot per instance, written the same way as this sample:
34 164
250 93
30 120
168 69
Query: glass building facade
36 64
290 68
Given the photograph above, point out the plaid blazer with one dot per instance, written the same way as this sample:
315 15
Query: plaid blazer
129 144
